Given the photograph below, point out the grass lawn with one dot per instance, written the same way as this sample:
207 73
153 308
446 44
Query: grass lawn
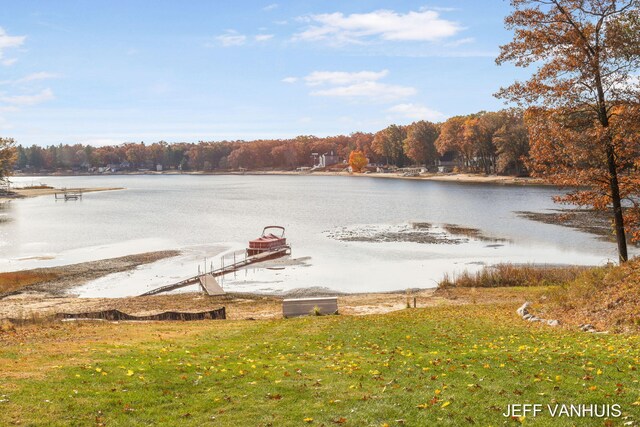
448 365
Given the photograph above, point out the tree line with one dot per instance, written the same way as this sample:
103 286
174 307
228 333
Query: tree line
489 142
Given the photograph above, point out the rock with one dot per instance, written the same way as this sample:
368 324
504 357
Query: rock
587 327
523 311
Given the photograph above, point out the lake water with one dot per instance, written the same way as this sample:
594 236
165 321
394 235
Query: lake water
210 216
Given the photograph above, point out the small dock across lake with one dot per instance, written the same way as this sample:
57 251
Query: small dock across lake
68 194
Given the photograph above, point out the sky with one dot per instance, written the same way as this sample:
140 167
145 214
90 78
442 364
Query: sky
128 71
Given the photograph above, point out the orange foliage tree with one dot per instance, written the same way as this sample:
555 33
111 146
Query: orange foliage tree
583 99
419 145
452 138
357 160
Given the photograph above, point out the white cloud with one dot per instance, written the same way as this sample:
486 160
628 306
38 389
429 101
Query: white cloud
417 112
7 42
270 7
372 90
354 85
263 37
423 25
100 142
4 109
42 75
459 42
343 78
232 38
26 100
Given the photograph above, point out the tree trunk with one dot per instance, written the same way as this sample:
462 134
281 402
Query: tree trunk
617 206
618 219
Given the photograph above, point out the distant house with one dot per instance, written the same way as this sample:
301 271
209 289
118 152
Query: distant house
325 160
447 162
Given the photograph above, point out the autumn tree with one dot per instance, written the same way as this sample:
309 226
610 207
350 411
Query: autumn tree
452 138
482 132
512 143
357 161
587 52
362 141
242 157
419 145
7 157
135 154
388 143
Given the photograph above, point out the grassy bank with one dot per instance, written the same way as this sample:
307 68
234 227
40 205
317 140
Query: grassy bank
607 297
447 365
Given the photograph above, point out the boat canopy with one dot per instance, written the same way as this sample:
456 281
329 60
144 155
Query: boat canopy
266 231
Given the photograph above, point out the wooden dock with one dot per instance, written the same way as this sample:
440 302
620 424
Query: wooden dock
207 280
68 194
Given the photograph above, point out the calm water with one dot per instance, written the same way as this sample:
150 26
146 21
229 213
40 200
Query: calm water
206 216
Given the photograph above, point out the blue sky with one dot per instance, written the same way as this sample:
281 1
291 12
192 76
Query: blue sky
121 71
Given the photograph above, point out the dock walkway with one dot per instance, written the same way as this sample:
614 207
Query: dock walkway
207 280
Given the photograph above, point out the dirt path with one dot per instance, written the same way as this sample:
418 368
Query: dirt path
33 305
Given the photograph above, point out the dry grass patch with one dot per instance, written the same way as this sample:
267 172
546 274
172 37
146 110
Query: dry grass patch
507 275
607 297
15 280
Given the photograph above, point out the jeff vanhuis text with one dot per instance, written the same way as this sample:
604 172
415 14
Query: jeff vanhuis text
590 410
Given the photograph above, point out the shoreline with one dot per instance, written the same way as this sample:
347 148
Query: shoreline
50 292
466 178
22 193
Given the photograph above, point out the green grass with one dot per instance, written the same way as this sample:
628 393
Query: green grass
450 365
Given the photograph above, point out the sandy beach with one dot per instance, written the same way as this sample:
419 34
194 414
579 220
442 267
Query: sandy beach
468 178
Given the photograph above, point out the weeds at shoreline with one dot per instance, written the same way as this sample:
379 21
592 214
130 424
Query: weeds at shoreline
508 275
